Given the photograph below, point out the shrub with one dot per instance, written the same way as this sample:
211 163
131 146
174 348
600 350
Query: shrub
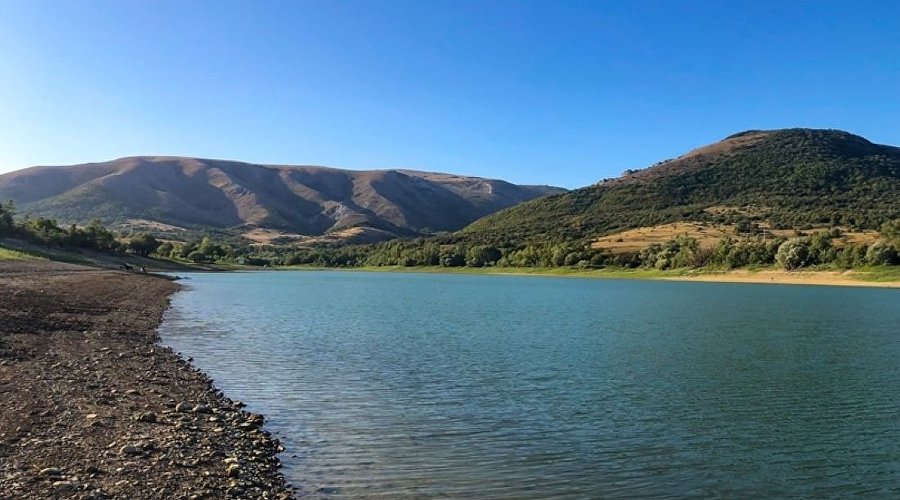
143 244
881 253
197 256
165 249
793 253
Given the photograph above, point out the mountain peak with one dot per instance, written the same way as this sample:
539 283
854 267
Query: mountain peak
836 141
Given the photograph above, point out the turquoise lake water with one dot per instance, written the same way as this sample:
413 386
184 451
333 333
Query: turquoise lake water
389 385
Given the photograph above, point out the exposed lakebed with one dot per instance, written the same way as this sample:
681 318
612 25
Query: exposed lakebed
500 387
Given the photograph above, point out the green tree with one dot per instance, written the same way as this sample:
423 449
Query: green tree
820 249
184 249
452 257
101 237
198 257
210 249
687 251
164 249
881 253
7 214
793 253
721 250
143 244
890 232
738 255
480 256
851 256
649 255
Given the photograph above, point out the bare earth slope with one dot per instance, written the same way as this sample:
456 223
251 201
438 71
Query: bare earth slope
200 193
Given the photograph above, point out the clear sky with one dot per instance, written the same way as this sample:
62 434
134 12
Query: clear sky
552 92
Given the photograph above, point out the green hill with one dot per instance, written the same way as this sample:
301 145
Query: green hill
788 178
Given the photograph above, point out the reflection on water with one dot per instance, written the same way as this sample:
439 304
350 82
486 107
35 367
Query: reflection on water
430 386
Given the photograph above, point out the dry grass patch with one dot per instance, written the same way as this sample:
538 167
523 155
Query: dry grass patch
151 225
748 211
634 240
263 236
353 235
708 235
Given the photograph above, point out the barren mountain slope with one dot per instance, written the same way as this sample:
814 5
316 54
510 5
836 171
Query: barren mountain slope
198 193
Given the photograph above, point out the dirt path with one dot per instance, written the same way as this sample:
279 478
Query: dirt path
93 407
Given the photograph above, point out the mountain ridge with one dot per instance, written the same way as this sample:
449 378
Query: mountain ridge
198 193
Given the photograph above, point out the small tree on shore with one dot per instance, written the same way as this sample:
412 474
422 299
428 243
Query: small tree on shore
164 250
793 253
143 244
881 253
7 211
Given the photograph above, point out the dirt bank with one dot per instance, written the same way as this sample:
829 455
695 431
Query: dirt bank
836 278
862 278
93 407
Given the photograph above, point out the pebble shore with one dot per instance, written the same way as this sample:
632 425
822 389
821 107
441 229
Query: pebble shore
95 408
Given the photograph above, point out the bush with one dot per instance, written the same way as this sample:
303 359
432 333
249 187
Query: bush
881 253
143 244
165 249
7 212
452 257
890 232
480 256
738 256
198 257
793 254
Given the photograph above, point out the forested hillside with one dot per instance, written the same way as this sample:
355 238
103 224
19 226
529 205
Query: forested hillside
784 178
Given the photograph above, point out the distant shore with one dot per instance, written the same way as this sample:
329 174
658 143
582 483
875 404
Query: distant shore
95 407
878 277
872 277
779 277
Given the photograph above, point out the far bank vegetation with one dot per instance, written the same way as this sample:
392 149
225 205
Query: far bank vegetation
671 246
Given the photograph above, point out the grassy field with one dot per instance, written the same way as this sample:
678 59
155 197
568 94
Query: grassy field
879 274
9 254
707 235
24 250
19 249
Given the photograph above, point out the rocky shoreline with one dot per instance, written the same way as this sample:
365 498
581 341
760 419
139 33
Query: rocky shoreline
94 407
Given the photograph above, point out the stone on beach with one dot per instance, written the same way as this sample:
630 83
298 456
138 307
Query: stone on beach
50 471
147 416
130 449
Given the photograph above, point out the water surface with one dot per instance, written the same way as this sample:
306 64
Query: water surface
505 387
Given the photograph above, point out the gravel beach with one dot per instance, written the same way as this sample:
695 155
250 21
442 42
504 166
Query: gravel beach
93 407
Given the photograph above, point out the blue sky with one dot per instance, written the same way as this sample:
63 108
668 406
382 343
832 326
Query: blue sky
553 92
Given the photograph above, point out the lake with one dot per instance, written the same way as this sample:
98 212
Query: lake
394 386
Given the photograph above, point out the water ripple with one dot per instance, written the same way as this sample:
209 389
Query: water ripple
414 386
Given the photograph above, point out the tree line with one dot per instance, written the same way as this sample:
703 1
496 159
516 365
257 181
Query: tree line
819 249
823 248
93 236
